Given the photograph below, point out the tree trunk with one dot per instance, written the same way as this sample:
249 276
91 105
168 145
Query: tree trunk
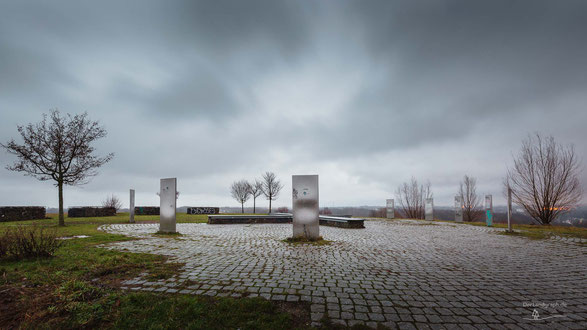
242 207
61 216
254 208
269 205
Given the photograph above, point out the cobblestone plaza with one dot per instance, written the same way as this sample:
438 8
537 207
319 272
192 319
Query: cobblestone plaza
402 273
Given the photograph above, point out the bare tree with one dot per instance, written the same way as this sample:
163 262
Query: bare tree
241 191
471 201
411 198
271 187
113 202
545 178
256 191
59 149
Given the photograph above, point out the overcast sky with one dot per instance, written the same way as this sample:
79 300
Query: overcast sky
364 93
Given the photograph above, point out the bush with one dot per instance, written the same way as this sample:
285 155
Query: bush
28 242
3 247
283 210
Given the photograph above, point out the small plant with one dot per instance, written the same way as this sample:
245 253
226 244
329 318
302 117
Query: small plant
113 202
283 209
3 246
304 240
28 242
165 234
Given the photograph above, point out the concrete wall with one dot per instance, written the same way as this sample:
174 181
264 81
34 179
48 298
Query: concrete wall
147 210
19 213
86 212
203 210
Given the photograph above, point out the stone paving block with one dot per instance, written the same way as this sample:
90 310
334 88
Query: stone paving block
347 315
353 323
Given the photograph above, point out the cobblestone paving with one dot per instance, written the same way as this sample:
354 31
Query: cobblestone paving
404 274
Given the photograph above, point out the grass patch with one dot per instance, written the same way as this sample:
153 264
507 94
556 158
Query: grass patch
539 231
167 235
303 240
77 304
148 311
78 287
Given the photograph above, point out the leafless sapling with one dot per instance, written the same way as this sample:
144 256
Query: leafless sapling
256 191
471 202
241 191
271 187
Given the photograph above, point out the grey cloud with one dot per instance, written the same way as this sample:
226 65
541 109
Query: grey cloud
208 90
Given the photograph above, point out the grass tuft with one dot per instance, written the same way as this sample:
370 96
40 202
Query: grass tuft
304 240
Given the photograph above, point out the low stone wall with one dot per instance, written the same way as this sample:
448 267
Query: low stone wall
89 211
147 210
19 213
341 222
203 210
245 219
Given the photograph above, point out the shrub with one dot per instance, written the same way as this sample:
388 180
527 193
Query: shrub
3 247
283 210
112 202
28 242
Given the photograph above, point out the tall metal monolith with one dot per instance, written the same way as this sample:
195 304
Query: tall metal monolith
131 209
429 209
390 209
167 206
459 208
509 209
305 199
489 210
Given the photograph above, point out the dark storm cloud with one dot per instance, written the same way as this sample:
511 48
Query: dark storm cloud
173 37
213 91
455 63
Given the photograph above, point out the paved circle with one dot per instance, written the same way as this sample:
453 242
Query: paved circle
398 273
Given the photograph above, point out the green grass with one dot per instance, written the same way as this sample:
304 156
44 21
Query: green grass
79 287
192 312
538 231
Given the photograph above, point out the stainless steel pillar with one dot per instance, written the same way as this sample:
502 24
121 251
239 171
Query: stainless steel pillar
168 200
429 209
305 206
390 209
459 208
131 208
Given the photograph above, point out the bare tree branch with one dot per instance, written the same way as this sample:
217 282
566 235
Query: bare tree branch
545 178
411 197
271 187
58 148
241 191
113 202
471 202
256 190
